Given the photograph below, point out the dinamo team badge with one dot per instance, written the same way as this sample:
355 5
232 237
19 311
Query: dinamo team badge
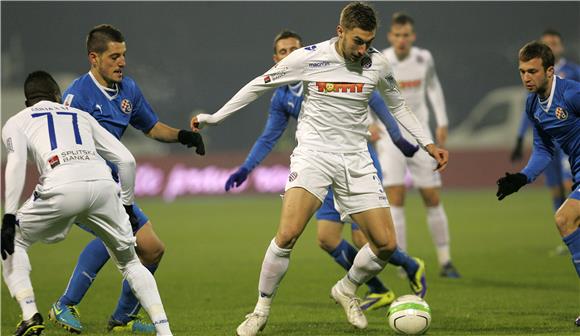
561 114
126 106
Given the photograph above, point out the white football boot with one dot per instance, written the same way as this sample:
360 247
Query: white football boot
253 323
351 305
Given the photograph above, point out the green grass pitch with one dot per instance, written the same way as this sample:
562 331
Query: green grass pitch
511 284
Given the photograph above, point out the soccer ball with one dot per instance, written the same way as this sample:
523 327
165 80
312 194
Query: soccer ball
409 315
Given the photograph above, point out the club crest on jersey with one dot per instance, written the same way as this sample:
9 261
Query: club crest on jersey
561 114
366 62
339 87
126 106
292 176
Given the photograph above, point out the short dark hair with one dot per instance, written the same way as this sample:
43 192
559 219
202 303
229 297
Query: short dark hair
536 49
402 18
100 36
552 32
358 15
39 85
284 35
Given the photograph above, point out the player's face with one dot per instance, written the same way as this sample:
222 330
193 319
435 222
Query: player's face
109 64
534 77
555 43
354 43
402 37
284 47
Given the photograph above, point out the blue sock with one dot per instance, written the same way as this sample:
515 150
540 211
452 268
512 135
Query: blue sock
128 304
400 258
573 242
344 255
90 262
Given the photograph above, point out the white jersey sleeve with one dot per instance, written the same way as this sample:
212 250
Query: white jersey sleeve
16 146
389 89
286 71
114 151
435 93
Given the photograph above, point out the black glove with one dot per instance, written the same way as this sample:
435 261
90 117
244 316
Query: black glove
8 231
192 139
517 151
132 217
510 184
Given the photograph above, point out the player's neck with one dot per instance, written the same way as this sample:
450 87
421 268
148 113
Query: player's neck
545 92
101 80
402 55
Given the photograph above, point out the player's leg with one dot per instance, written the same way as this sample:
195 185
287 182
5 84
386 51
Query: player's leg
150 249
107 218
568 224
16 273
297 207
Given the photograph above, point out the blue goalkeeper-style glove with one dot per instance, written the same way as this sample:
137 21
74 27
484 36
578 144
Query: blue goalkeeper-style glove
406 147
237 178
8 233
510 184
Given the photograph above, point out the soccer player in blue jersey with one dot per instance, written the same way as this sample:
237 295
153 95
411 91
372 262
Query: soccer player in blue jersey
286 103
553 107
116 102
557 174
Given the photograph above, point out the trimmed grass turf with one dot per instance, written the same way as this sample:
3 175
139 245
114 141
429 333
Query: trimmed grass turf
209 274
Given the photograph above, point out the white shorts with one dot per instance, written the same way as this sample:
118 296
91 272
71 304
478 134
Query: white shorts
352 176
395 164
50 213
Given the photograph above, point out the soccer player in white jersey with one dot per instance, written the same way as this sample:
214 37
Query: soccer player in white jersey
68 146
415 72
338 77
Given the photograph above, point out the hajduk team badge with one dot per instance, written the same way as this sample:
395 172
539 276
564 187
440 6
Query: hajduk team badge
561 113
126 106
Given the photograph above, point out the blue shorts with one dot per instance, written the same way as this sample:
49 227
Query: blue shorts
557 172
143 219
328 212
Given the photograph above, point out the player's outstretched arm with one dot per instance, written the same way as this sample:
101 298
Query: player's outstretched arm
165 133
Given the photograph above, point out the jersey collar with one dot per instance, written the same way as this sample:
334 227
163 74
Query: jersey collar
105 90
550 98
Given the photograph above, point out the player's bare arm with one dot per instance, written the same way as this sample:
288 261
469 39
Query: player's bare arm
441 135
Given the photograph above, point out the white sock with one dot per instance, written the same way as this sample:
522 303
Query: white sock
365 266
439 226
398 214
274 268
16 271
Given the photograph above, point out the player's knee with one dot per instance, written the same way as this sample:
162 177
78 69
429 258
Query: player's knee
564 223
385 249
153 254
286 239
327 244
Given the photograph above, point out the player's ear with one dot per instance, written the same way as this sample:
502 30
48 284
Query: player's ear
93 58
339 31
550 71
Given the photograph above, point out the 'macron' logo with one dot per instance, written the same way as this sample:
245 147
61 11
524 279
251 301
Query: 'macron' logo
339 87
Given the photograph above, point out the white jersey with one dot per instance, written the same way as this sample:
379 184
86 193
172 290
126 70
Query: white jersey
417 79
65 143
336 93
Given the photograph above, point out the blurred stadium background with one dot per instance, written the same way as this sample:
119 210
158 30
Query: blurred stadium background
191 57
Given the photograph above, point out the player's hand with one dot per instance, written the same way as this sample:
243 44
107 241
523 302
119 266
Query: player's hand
7 235
407 148
199 121
441 136
132 217
517 152
192 139
237 178
375 133
510 184
440 155
194 124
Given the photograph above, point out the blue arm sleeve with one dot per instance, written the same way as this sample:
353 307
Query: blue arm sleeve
382 111
142 118
525 123
275 127
543 150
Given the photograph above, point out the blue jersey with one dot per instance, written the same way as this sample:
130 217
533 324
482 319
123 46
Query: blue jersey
556 122
113 109
286 103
